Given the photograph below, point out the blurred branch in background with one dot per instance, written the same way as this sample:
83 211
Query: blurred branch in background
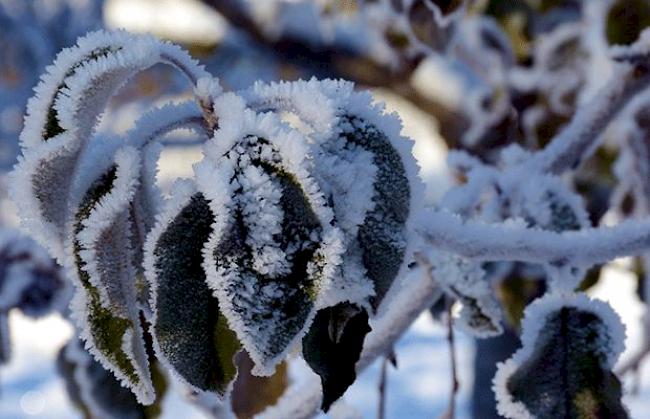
313 55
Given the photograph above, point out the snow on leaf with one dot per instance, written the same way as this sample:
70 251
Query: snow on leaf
332 348
564 368
367 171
62 115
146 135
464 279
381 235
102 264
191 335
273 254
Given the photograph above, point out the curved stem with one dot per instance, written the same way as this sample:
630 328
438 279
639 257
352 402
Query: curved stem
193 74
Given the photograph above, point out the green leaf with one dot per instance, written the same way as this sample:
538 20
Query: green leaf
274 252
382 235
192 335
332 348
565 372
113 332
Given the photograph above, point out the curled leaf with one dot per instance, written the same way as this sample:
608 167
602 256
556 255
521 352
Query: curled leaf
104 302
62 116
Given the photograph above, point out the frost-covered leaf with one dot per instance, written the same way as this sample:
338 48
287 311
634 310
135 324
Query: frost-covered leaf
147 135
549 204
273 253
465 280
105 301
366 170
191 335
381 235
332 348
564 369
97 393
372 179
62 116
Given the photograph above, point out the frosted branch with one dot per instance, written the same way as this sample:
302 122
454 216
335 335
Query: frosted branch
578 139
513 242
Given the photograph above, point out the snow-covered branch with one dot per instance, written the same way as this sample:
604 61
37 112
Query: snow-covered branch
578 139
515 242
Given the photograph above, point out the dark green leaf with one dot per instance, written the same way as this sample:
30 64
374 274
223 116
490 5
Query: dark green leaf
192 334
565 375
332 348
382 235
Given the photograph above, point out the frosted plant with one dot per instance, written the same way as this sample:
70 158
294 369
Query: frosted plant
253 244
29 281
302 231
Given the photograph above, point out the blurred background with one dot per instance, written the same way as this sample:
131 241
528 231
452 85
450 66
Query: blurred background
475 76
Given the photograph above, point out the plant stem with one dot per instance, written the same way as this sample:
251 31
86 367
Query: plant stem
451 410
383 377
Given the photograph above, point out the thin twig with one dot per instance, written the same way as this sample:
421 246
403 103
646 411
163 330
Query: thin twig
451 409
383 377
